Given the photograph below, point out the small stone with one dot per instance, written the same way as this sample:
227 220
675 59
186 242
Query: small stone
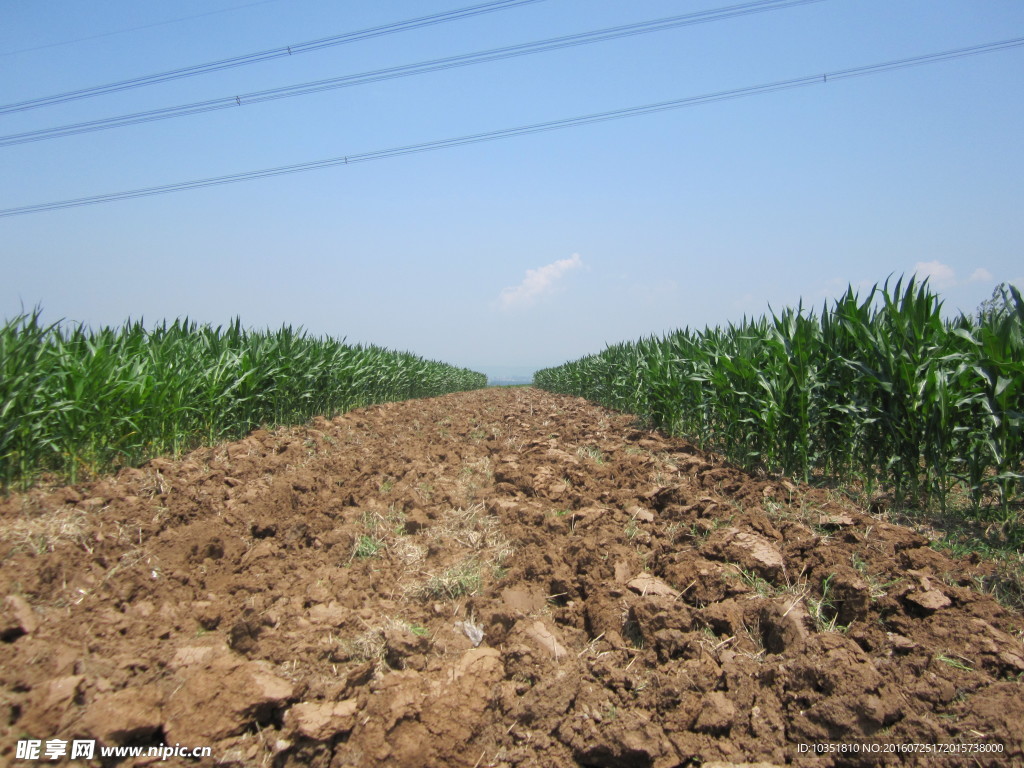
645 584
322 721
932 600
835 521
223 697
126 716
853 595
18 618
399 644
900 643
641 514
716 714
190 655
1012 660
543 637
332 614
206 614
521 601
479 665
785 627
751 551
62 691
622 572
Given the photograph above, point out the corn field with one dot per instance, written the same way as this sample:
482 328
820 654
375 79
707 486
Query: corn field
881 389
76 402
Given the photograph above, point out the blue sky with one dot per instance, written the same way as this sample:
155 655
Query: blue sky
511 255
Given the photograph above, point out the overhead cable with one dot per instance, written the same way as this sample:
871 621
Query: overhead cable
273 53
553 125
463 60
136 29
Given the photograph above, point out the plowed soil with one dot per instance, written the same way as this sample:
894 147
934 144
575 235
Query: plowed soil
497 578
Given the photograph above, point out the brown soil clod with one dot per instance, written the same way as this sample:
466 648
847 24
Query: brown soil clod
496 578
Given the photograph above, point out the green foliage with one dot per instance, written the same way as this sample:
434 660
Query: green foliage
998 305
366 546
881 388
75 401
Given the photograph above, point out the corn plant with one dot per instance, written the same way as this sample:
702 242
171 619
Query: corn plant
75 401
883 388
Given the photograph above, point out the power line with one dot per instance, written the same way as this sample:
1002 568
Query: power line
553 125
274 53
423 67
135 29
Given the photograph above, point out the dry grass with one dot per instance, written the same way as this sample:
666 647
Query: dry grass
407 550
42 533
472 528
371 644
483 549
463 578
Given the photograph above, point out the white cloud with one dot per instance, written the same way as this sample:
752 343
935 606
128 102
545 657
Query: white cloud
537 283
939 275
980 275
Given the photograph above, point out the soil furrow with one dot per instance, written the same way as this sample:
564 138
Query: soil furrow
496 578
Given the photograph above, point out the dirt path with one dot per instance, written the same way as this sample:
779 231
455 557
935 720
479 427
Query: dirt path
497 578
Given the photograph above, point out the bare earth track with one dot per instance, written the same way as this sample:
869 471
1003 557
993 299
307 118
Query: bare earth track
314 597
